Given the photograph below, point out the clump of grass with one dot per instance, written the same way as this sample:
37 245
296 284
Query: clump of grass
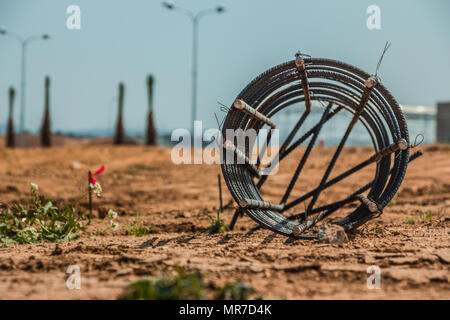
409 220
184 285
236 290
39 221
424 216
217 225
181 285
99 232
137 228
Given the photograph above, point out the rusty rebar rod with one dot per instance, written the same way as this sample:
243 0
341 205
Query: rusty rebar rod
330 208
301 68
240 104
285 150
368 203
399 145
305 157
237 213
300 140
258 204
352 197
370 83
220 193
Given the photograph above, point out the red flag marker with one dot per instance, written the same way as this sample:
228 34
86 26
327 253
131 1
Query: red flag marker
91 176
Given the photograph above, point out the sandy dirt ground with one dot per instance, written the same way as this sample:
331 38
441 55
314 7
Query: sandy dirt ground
413 257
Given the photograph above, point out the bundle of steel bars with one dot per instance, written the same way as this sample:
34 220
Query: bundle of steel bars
340 88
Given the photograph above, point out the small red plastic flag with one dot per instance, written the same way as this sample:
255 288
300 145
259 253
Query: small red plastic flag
91 176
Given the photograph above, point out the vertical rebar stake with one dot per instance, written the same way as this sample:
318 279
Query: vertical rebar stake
220 193
90 196
237 213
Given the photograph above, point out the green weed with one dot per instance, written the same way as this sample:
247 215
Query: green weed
409 220
236 290
185 285
179 286
217 225
137 228
425 216
39 221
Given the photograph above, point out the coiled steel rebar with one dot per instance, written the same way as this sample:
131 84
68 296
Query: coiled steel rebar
345 88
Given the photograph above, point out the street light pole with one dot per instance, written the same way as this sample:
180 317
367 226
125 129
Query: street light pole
194 72
195 18
23 42
22 96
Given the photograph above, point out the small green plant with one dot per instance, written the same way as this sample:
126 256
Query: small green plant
236 290
424 216
99 232
217 225
113 224
183 285
180 285
40 221
409 220
112 215
137 228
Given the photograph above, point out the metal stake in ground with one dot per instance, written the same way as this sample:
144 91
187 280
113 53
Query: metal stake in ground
90 196
220 193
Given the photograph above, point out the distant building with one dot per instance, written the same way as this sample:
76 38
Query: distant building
443 122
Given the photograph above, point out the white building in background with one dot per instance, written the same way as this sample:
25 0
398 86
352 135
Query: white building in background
443 122
419 111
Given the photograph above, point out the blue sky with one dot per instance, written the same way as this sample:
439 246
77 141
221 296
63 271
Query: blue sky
126 40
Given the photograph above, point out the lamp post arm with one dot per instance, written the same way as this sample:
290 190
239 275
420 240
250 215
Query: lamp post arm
31 38
14 36
185 11
204 13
